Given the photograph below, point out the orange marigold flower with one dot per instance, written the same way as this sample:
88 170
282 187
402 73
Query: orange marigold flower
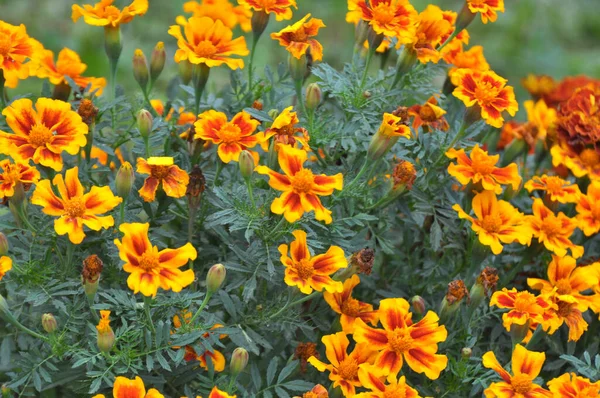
68 64
472 59
131 388
301 188
208 42
284 131
588 210
487 9
317 391
556 188
489 91
584 163
431 28
5 265
16 48
216 393
553 230
579 119
232 136
526 366
343 367
570 385
566 88
539 86
105 14
371 378
297 40
311 272
429 115
480 167
281 8
149 268
74 208
216 357
401 339
525 309
12 174
393 18
350 308
221 10
162 170
43 133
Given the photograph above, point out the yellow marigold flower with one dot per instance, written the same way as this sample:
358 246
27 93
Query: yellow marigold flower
570 385
472 59
393 18
541 117
281 8
221 10
489 91
584 163
12 174
525 309
480 167
431 28
588 210
284 131
74 208
526 366
131 388
538 86
343 367
232 137
162 170
308 272
16 48
297 40
209 42
317 391
5 266
393 126
556 188
216 357
350 308
301 188
43 133
106 336
104 322
487 9
371 378
553 230
149 268
401 339
429 115
68 64
105 14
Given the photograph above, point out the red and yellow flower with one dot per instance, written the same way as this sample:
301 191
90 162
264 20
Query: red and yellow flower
106 14
5 265
570 385
371 378
208 42
525 309
43 133
489 91
297 38
402 340
284 131
12 174
149 268
541 117
526 366
216 357
584 163
281 8
588 210
343 367
553 230
16 48
429 115
308 272
162 170
301 188
480 167
538 86
183 116
487 8
392 18
557 189
431 29
232 137
350 308
317 391
216 393
472 59
131 388
74 208
221 10
578 124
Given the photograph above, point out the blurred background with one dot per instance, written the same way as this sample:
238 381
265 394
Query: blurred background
554 37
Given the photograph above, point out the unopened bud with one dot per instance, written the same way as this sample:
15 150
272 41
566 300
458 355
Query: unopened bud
144 123
157 60
140 68
297 67
361 33
185 71
466 353
258 105
215 277
464 18
3 244
106 336
239 360
259 22
418 305
519 332
391 129
246 163
124 180
367 94
112 42
406 61
195 187
374 39
49 323
313 96
457 291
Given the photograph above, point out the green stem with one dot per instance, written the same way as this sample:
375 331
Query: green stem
367 64
147 146
299 100
251 62
458 136
147 301
122 211
277 227
250 194
204 303
2 102
360 174
293 303
218 172
70 252
113 88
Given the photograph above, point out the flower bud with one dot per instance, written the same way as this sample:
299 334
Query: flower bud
106 336
484 285
519 332
90 275
464 18
185 71
313 96
374 39
466 353
215 277
403 177
391 129
259 22
157 60
418 305
3 244
297 67
124 180
246 163
144 123
49 323
112 42
140 68
6 393
457 291
258 105
406 60
361 33
195 187
239 360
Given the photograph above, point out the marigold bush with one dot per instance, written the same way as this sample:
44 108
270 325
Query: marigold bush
300 231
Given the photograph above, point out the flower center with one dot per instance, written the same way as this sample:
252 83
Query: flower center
348 369
483 166
563 286
552 225
148 261
394 392
564 309
230 133
589 157
492 223
554 184
5 45
521 384
205 49
351 307
427 114
159 172
299 36
303 181
111 11
11 174
523 302
75 207
400 340
486 92
305 269
40 135
383 13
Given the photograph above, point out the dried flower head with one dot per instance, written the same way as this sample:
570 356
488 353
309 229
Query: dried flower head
456 291
362 260
92 267
404 174
488 278
305 351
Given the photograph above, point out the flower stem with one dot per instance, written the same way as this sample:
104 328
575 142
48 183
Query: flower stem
367 64
122 211
250 194
293 303
147 301
204 303
218 172
360 174
251 62
113 87
299 101
147 146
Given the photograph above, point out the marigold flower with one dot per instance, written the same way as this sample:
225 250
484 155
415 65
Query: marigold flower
68 64
105 14
221 10
472 59
588 209
489 91
343 367
149 268
317 391
584 163
526 366
5 265
401 339
579 119
566 89
350 308
539 86
183 117
216 393
403 176
393 126
393 18
297 40
232 137
161 170
362 261
540 117
88 111
431 28
301 188
487 8
305 351
311 272
43 133
481 167
281 8
429 115
556 188
12 174
284 131
371 378
209 42
106 336
488 278
570 385
553 230
16 48
216 357
92 267
525 309
74 208
131 388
